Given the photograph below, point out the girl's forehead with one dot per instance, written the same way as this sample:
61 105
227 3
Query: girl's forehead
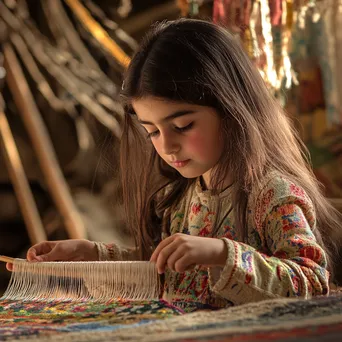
160 108
151 110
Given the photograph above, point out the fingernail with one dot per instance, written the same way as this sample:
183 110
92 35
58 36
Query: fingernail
38 258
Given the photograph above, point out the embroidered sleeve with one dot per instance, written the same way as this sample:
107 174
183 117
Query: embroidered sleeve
112 252
293 263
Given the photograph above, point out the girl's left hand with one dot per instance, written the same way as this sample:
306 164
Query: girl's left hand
181 251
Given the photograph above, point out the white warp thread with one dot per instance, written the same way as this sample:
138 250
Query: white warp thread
98 281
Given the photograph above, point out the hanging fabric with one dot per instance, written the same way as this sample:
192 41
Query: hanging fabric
280 35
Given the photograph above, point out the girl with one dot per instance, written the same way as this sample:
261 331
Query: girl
216 184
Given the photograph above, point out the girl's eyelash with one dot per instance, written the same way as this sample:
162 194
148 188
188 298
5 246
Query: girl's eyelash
152 134
179 129
185 128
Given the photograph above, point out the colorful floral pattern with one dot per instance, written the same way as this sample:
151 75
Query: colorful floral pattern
37 319
282 257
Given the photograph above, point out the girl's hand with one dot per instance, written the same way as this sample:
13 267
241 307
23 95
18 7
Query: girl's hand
181 251
64 250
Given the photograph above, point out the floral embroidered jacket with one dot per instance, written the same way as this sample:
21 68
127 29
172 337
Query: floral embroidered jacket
282 257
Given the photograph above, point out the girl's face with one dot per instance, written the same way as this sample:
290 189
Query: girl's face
186 136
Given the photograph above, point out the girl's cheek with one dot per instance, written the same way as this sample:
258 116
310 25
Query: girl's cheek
199 146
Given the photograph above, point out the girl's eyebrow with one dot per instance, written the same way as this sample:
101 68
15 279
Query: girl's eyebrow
169 117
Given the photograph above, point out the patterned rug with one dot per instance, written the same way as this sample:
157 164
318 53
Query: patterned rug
282 320
41 320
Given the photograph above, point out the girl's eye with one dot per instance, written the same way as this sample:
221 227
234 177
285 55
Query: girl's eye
152 134
185 128
178 129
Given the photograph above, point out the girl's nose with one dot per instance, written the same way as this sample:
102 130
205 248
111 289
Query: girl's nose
170 145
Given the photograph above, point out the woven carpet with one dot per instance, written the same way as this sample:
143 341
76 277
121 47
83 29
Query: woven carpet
282 320
48 320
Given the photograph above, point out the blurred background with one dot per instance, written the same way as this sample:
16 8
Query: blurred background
61 65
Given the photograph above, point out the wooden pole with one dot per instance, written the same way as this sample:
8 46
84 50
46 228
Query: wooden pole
6 259
42 145
98 32
20 183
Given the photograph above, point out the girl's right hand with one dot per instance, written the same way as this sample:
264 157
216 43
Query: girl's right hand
63 250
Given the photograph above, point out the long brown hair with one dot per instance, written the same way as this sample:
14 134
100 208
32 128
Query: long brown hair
198 62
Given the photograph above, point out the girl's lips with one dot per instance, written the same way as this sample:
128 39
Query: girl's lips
180 163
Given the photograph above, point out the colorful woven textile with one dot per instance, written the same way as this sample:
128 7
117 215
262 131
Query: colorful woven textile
35 320
282 320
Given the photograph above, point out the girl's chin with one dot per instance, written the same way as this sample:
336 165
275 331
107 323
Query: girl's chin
188 173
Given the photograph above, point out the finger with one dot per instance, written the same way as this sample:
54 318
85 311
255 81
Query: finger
174 257
39 249
31 254
164 255
184 264
54 255
160 247
9 267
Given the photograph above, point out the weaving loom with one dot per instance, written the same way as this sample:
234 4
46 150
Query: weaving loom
58 297
116 301
99 281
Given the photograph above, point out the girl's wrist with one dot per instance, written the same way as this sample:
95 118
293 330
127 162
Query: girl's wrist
221 253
